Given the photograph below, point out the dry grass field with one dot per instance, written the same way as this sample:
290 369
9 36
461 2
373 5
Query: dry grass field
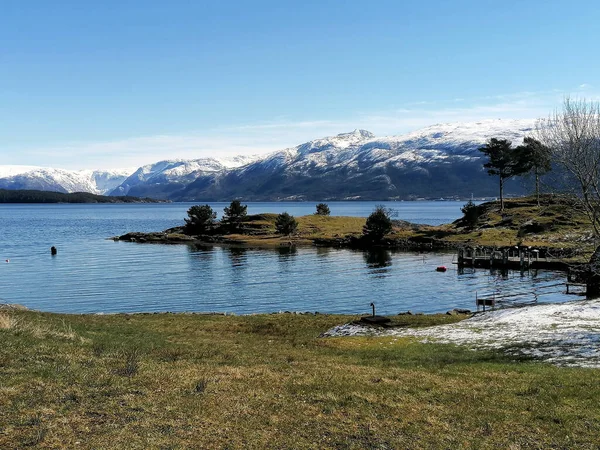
268 381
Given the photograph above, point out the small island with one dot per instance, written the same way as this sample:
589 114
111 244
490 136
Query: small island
554 228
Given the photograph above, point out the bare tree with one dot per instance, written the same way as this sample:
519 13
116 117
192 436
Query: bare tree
573 136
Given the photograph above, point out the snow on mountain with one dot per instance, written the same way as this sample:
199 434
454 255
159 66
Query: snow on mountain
61 180
354 164
461 137
179 171
10 171
441 158
360 149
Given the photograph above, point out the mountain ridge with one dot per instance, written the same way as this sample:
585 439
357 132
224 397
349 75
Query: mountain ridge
440 160
100 182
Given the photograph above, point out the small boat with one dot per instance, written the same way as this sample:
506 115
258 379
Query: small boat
441 268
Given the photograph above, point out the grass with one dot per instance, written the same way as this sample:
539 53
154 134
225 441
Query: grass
262 230
268 381
553 224
556 223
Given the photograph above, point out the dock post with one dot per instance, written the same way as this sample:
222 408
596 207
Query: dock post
521 257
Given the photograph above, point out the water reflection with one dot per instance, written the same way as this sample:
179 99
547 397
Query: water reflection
285 251
237 256
202 253
378 262
323 251
286 256
500 273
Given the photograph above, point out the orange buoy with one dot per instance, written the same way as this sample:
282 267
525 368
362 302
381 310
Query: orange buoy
441 268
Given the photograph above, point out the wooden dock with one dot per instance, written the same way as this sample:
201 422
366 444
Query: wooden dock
506 258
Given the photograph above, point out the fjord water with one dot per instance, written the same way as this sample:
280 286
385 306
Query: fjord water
92 273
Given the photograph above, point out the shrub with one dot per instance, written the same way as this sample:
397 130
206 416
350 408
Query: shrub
471 214
379 223
322 209
201 219
285 224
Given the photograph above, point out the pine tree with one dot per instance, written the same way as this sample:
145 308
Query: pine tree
201 219
537 157
378 224
322 209
285 224
504 161
235 214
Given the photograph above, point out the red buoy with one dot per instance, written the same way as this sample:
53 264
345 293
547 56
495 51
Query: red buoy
441 268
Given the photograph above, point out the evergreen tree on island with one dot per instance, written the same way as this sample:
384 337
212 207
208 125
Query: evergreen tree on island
538 157
286 224
235 214
201 220
323 209
378 224
504 161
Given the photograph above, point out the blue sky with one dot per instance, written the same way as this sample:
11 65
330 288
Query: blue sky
125 83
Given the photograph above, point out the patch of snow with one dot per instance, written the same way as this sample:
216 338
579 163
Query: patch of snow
566 334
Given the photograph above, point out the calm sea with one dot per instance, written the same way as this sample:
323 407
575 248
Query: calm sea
94 274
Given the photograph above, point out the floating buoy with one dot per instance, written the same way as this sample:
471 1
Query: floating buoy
53 250
8 260
441 268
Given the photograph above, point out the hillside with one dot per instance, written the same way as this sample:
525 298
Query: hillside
439 161
557 222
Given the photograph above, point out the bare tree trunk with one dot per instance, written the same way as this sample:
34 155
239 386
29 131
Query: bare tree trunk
501 194
537 187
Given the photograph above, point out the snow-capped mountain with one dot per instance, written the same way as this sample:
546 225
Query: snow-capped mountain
61 180
432 144
437 161
175 174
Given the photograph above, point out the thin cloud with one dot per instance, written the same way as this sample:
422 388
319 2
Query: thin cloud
281 133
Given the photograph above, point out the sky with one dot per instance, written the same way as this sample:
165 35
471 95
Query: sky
123 83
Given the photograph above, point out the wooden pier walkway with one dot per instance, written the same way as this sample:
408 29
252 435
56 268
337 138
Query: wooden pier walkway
507 258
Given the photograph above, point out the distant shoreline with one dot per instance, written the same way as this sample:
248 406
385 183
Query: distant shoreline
8 196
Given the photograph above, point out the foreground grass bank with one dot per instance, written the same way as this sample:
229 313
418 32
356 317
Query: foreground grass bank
268 381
